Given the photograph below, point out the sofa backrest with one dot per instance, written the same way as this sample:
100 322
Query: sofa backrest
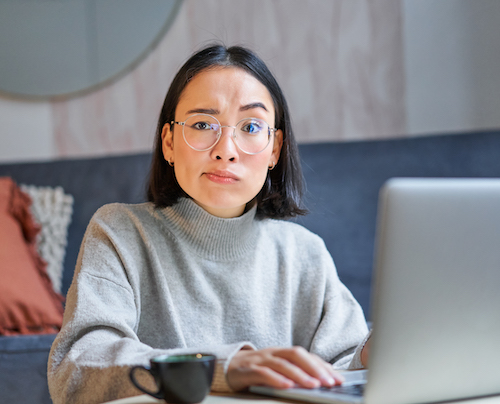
343 180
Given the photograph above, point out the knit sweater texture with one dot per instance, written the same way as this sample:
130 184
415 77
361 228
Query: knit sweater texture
152 281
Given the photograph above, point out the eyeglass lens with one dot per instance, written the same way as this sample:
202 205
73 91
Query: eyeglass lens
251 135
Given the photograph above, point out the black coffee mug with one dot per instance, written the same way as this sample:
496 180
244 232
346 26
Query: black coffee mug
182 379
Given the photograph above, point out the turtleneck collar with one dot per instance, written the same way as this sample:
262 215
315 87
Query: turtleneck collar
210 236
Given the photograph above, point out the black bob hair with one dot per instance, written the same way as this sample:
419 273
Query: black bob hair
281 195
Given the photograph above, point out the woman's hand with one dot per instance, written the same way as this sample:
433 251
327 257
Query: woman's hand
365 353
281 368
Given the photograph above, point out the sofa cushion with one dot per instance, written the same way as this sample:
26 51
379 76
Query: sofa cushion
52 210
28 303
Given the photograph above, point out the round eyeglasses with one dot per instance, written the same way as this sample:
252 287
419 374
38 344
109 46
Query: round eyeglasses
201 132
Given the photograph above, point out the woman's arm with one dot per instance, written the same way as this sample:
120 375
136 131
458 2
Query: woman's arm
341 328
91 356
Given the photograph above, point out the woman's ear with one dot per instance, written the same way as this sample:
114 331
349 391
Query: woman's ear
278 143
167 143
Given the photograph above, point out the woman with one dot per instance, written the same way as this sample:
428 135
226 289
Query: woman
205 265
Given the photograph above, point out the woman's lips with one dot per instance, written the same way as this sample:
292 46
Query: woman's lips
222 177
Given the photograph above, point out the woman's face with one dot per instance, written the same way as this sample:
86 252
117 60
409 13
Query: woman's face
223 179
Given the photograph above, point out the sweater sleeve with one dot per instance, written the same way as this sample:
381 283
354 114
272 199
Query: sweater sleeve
92 355
356 360
342 330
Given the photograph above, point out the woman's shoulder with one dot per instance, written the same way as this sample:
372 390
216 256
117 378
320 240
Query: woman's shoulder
289 231
116 212
288 225
293 241
117 207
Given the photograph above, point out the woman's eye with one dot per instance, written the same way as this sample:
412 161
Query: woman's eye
202 126
252 127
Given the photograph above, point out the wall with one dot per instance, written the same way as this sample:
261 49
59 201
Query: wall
340 64
351 70
452 59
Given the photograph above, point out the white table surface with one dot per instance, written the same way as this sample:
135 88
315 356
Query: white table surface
210 399
255 399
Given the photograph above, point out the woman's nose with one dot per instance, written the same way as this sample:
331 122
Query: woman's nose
225 149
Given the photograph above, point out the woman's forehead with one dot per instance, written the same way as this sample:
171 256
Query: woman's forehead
225 87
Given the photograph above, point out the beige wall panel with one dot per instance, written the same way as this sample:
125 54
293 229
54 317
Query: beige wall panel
340 64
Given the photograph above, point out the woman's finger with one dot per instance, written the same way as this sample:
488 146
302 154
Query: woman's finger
311 364
264 367
241 377
291 371
281 368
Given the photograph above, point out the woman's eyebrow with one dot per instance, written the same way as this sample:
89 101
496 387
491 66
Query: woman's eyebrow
252 106
209 111
213 111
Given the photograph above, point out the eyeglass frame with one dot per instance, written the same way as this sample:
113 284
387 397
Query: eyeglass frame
219 133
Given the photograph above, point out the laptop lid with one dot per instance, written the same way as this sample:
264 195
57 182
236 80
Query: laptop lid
436 299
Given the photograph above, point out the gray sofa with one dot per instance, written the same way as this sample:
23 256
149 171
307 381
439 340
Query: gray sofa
342 179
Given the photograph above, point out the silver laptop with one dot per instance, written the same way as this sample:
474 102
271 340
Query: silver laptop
436 297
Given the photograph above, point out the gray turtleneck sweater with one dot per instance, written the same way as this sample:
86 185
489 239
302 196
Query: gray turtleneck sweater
159 281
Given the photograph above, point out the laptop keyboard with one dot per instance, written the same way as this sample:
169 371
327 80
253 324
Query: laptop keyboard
351 389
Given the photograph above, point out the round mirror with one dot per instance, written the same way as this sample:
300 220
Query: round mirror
60 47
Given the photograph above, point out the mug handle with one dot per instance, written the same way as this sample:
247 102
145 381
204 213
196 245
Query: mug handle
136 383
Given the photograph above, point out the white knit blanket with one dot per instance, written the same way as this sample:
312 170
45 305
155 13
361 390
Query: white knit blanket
52 209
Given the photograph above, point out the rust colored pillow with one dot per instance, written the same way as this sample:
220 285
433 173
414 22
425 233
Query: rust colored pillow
28 303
